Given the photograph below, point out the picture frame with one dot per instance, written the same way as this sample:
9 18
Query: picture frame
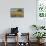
17 12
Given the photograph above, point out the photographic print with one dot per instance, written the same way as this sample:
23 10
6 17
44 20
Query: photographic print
17 12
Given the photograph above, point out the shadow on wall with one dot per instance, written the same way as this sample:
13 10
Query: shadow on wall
7 31
11 30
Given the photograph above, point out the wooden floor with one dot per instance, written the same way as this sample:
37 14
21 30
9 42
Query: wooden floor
13 44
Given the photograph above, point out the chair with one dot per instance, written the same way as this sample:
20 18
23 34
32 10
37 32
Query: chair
8 35
26 41
14 32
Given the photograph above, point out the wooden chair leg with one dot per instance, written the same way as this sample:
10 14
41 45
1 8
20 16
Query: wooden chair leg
5 43
5 39
17 39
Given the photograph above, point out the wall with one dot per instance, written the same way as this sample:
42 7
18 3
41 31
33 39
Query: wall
24 23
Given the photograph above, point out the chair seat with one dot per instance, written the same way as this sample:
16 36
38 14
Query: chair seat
9 34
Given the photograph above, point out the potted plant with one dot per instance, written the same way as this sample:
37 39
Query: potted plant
35 26
42 27
38 27
39 35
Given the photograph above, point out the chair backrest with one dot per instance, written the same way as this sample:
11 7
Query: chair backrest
14 30
24 37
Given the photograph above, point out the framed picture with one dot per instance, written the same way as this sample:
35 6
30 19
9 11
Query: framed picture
17 12
41 8
41 12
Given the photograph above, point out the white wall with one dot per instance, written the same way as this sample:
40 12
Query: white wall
23 23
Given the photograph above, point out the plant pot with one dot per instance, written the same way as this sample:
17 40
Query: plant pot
40 41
